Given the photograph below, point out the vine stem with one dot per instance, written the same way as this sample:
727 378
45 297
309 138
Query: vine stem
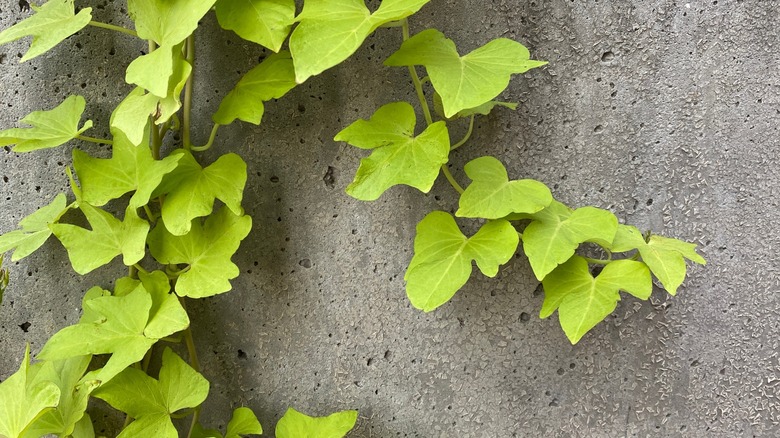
206 146
466 137
114 28
597 261
194 363
187 105
94 140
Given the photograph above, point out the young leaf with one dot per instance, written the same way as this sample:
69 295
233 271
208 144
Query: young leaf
119 331
74 395
298 425
50 25
442 257
332 30
131 116
191 190
491 195
467 81
21 402
49 128
265 22
398 157
583 301
153 71
131 168
34 229
167 22
151 402
664 256
243 422
171 102
109 237
166 315
206 248
272 79
557 231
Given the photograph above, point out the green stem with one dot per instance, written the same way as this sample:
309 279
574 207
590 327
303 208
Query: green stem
416 79
114 28
451 179
466 137
398 23
94 140
206 146
149 213
140 268
187 105
194 362
597 261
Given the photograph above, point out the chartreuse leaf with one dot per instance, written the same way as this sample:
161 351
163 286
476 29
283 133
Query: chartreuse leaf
298 425
467 81
664 256
272 79
191 189
398 157
555 232
74 395
167 22
49 128
442 257
109 237
166 316
583 301
207 249
50 25
153 70
151 402
243 422
34 229
22 400
131 168
84 428
265 22
332 30
131 116
491 195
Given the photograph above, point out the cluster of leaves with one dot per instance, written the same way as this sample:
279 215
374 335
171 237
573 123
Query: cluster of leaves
172 205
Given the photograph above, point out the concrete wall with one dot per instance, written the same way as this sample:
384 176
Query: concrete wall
666 112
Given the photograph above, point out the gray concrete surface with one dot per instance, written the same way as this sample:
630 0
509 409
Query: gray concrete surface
666 112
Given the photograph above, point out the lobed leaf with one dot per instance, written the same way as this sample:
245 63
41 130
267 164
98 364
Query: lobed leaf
298 425
34 229
49 128
555 232
442 257
265 22
271 79
52 22
491 195
207 249
583 301
167 22
332 30
467 81
22 400
131 116
398 156
191 189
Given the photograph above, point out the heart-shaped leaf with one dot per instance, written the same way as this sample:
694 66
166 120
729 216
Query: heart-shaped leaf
265 22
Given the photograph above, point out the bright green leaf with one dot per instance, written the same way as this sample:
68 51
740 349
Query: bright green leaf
583 301
109 237
557 231
131 168
151 402
243 422
119 331
171 102
49 128
84 428
167 22
265 22
398 156
34 229
131 116
207 249
298 425
664 256
491 195
332 30
166 315
22 400
272 79
467 81
442 257
50 25
191 190
153 70
199 431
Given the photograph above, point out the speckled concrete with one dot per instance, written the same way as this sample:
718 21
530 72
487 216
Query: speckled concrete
666 112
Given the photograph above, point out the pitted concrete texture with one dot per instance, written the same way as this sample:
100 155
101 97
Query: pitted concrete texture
664 111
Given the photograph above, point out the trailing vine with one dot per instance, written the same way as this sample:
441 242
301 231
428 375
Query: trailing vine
191 242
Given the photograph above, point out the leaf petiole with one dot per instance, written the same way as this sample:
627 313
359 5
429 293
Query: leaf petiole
208 144
465 137
94 140
187 104
416 79
114 28
451 179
